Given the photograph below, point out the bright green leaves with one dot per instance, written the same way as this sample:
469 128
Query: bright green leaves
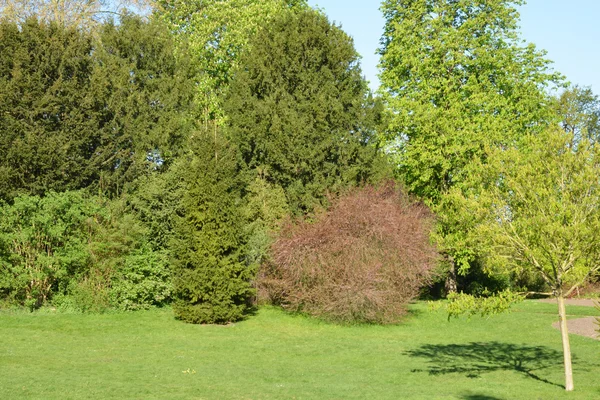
216 33
456 79
537 205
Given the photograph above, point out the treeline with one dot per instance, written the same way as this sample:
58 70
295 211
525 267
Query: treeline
138 171
212 155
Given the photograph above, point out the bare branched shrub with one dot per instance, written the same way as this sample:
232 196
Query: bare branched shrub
361 261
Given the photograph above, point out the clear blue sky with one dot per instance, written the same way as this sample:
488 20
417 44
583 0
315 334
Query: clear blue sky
569 30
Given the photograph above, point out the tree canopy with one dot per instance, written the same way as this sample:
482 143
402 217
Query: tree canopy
299 110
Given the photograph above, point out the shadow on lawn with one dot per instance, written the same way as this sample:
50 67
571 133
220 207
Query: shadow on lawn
479 397
476 358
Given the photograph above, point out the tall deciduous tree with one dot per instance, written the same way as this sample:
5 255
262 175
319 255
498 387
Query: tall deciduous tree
579 111
456 76
217 32
537 210
299 109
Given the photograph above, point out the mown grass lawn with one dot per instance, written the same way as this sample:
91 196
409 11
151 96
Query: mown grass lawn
272 355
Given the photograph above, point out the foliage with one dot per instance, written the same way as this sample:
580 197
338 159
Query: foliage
47 120
144 93
362 261
462 303
43 243
78 252
298 109
456 78
144 280
537 209
537 205
266 207
211 281
579 110
73 13
83 110
217 32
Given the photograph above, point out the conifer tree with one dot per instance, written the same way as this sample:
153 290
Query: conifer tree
211 280
299 109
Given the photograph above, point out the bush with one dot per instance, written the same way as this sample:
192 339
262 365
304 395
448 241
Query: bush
78 252
361 261
43 245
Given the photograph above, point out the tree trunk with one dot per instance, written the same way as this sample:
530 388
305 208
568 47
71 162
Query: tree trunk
562 317
451 284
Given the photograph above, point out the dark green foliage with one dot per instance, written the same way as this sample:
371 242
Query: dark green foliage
79 110
298 109
47 119
145 94
210 279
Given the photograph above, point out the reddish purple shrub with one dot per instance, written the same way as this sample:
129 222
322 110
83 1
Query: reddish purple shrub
361 261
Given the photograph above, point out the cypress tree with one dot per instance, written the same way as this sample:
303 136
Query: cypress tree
211 279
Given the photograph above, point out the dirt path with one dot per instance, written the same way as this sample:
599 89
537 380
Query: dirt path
579 326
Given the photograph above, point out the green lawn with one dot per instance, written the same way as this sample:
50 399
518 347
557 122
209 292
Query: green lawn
149 355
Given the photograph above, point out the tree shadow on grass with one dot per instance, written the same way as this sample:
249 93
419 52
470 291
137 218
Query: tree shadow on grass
476 358
479 397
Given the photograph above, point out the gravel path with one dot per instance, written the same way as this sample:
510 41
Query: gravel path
579 326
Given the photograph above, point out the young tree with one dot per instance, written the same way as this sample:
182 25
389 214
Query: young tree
211 281
299 109
537 210
455 77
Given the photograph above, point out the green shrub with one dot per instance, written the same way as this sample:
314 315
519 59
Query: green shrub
78 252
144 280
43 245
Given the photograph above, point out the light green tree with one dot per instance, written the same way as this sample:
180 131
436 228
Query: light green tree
215 32
81 13
579 110
536 209
455 76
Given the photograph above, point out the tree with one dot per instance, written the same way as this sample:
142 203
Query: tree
536 204
73 13
81 110
47 123
579 110
144 93
299 111
211 281
455 76
216 33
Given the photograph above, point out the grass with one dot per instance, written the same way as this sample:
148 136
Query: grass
273 355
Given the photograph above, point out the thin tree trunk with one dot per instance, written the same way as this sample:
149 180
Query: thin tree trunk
451 284
562 317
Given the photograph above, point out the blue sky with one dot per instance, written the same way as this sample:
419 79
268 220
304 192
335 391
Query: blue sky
568 30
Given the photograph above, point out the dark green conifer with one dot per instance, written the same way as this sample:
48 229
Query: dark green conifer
211 279
299 109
